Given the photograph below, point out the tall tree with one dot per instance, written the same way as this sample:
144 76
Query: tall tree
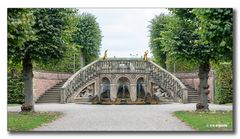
157 26
36 35
202 35
215 30
88 38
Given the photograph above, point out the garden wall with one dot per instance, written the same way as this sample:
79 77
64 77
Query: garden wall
193 80
43 80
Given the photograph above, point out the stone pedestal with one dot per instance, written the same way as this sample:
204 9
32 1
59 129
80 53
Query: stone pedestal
133 92
113 92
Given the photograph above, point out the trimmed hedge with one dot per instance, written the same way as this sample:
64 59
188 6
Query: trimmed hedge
15 88
224 80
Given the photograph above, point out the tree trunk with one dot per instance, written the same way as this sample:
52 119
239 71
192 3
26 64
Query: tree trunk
204 69
82 60
28 85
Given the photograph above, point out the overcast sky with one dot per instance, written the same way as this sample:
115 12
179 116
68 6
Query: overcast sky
124 31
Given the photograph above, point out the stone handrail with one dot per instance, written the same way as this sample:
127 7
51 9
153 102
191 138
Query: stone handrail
77 80
169 82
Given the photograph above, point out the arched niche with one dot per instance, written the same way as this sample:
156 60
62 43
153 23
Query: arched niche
105 88
123 88
140 88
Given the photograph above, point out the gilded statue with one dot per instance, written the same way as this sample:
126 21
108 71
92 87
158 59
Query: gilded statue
145 56
105 55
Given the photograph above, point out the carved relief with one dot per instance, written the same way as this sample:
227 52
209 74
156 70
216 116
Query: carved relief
87 92
159 92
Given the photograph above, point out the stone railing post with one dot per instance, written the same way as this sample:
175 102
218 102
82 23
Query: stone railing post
63 96
185 95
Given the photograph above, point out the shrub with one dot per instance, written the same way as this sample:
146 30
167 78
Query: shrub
224 88
15 87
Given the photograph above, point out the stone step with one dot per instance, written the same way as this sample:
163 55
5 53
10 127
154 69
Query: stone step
52 95
193 100
48 101
49 97
193 95
196 94
53 90
58 86
82 99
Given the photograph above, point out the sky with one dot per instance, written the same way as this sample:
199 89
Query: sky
125 31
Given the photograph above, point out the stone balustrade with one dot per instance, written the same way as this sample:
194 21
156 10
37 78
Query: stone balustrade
124 66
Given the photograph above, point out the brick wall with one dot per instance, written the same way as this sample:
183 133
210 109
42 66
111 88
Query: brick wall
43 80
193 80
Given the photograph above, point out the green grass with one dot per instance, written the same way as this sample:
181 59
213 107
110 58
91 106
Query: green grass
30 120
207 121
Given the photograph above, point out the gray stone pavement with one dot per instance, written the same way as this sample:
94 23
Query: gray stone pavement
80 117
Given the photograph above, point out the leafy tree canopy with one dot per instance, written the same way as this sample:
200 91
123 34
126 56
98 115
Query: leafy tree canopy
88 36
39 33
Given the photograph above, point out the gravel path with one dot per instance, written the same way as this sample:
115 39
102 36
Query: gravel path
79 117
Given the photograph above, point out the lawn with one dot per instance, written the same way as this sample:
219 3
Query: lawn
207 121
30 120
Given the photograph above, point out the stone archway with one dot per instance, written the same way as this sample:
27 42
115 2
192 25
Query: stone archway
105 88
140 88
123 88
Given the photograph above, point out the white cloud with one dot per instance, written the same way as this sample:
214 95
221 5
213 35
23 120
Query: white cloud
125 31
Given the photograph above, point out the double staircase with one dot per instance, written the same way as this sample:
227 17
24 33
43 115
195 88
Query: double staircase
63 91
52 95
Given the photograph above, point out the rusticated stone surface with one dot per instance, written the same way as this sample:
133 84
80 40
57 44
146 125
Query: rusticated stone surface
43 81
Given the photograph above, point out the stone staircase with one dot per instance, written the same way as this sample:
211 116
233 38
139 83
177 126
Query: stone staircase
193 96
52 95
83 100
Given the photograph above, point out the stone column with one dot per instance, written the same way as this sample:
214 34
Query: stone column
100 90
113 92
146 89
63 96
185 95
97 87
133 92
